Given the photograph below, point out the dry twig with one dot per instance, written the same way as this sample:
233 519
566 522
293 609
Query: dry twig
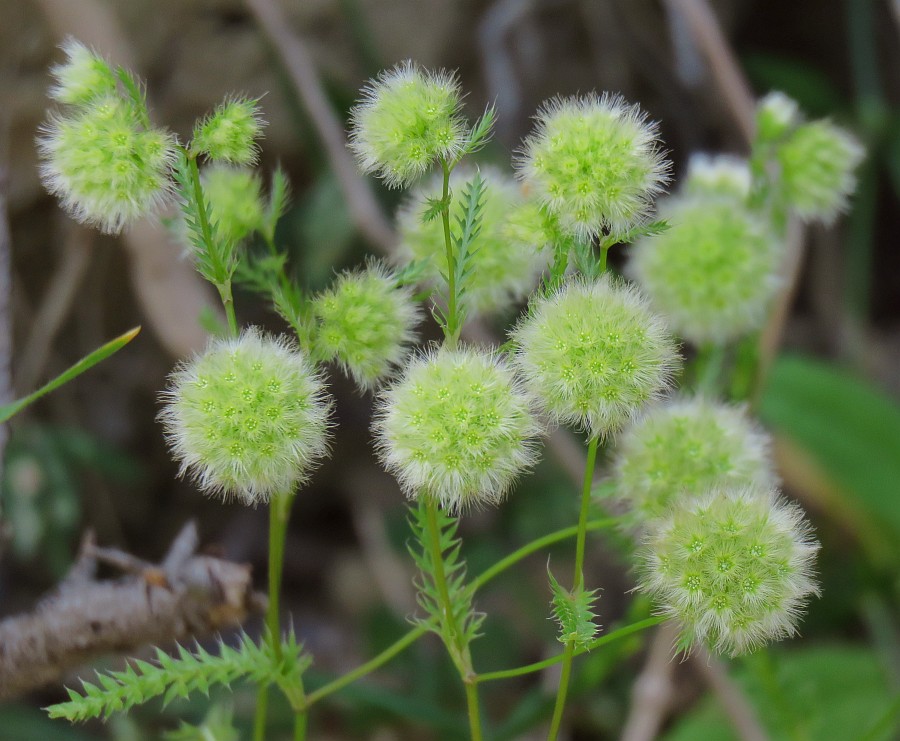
186 595
651 696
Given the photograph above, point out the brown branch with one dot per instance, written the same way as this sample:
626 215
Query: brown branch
186 595
364 209
651 696
726 72
732 699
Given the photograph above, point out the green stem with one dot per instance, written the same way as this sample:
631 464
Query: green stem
577 581
458 650
416 633
279 513
228 303
300 727
616 635
451 330
709 368
604 252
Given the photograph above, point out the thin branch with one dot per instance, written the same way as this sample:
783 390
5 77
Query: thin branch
6 390
651 696
732 699
185 596
727 76
291 49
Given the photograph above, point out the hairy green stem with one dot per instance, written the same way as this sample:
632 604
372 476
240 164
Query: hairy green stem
416 633
577 582
451 330
615 635
279 513
459 652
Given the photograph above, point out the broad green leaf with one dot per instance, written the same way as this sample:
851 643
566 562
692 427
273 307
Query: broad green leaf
850 428
86 363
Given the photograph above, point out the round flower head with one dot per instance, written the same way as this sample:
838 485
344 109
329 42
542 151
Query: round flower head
817 170
595 162
365 323
503 270
83 77
712 272
248 417
686 448
407 119
594 354
532 225
235 199
230 132
734 567
719 175
456 427
776 115
104 165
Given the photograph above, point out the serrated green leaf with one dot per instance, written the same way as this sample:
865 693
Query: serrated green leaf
572 612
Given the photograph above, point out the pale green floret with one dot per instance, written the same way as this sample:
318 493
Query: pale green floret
734 567
235 199
594 354
247 418
776 116
230 132
686 448
456 427
713 272
539 232
504 270
83 77
595 162
365 323
817 162
408 119
106 168
718 175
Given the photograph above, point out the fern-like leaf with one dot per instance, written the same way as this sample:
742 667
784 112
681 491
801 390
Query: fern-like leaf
468 227
172 677
482 130
572 611
462 620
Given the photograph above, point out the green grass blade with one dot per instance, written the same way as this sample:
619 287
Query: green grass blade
86 363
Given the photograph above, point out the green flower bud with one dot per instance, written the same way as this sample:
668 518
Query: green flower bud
776 116
230 132
595 162
720 175
248 417
687 448
594 354
83 77
734 567
713 272
235 199
503 270
456 427
365 323
106 168
818 161
408 118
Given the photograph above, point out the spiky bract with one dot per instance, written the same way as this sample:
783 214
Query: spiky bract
83 77
734 567
595 161
593 354
365 323
229 133
456 427
248 417
106 167
712 272
818 162
235 199
718 175
502 270
686 448
407 119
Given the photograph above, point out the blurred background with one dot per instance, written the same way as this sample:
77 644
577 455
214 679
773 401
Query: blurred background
92 455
